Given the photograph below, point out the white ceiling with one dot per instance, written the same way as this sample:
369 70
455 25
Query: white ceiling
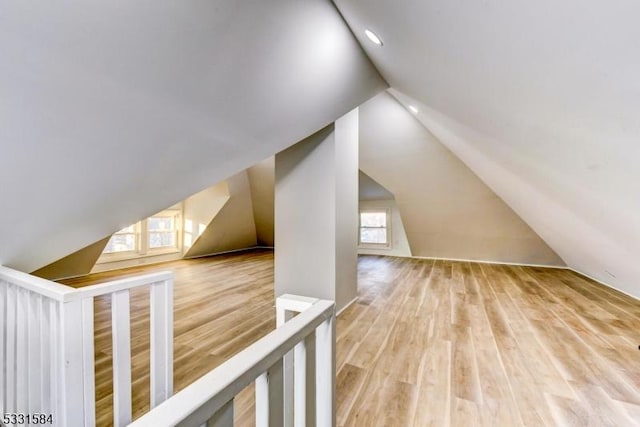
541 99
111 111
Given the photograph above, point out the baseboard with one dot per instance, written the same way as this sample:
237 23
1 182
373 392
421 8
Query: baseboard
228 252
518 264
77 276
603 283
346 306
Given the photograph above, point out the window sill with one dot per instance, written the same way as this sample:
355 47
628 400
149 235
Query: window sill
129 256
374 246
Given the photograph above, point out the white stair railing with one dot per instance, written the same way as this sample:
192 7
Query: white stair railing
47 353
295 367
41 343
209 400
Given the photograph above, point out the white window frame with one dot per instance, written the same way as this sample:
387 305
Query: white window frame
177 221
136 243
142 240
368 245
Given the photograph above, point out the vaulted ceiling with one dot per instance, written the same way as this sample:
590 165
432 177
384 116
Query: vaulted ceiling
110 111
540 99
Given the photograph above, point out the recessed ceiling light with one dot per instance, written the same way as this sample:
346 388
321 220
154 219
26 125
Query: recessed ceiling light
373 37
413 109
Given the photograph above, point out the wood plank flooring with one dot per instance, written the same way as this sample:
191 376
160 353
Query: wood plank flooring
428 343
437 343
221 305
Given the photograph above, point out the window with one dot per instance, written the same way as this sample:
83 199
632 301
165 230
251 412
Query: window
374 230
158 234
162 232
122 241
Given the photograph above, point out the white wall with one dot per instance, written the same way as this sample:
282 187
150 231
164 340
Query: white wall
112 111
399 243
346 207
202 207
541 100
447 211
305 239
228 226
232 227
369 189
262 182
77 264
316 210
577 235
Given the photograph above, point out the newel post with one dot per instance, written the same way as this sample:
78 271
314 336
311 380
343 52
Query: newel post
72 407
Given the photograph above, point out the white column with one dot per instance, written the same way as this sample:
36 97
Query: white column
316 214
316 231
346 210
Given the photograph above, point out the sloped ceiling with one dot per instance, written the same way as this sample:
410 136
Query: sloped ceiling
541 100
447 211
112 111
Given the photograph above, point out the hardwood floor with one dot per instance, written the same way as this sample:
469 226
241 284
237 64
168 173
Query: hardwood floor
428 343
221 305
437 343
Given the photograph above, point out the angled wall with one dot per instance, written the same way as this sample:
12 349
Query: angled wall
447 211
78 263
371 196
369 189
579 235
262 183
110 112
233 226
541 100
200 209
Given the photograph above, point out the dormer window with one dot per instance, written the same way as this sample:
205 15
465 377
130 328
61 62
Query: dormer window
156 235
374 228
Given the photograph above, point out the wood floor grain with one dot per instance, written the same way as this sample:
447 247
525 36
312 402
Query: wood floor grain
221 305
427 343
495 345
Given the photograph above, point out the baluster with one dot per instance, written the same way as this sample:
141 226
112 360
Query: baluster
22 379
262 400
161 320
88 362
47 355
35 361
269 393
300 384
3 339
10 328
325 374
121 334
